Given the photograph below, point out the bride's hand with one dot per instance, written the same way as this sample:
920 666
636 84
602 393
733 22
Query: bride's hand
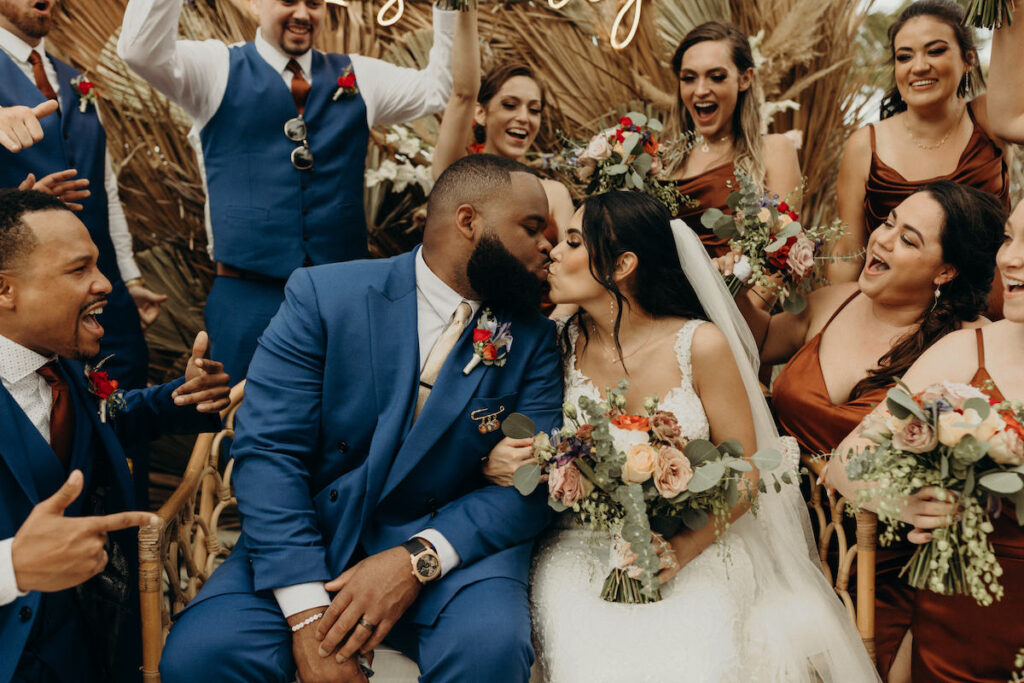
929 508
726 262
507 457
675 553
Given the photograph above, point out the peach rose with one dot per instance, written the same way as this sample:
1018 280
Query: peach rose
801 256
915 437
640 461
672 472
1006 448
955 425
568 484
599 148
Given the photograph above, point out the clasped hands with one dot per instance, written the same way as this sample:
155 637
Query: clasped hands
371 597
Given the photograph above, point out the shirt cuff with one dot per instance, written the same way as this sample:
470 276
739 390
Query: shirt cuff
8 583
445 552
301 597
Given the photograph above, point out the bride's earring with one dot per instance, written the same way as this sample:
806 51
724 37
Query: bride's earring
935 301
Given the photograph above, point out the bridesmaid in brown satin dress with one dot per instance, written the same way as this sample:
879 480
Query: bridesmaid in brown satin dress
930 268
930 128
954 638
717 102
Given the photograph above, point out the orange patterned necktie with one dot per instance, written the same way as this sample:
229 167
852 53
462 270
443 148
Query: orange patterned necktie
62 417
300 86
42 82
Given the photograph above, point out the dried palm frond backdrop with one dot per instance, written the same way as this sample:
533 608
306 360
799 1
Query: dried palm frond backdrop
809 50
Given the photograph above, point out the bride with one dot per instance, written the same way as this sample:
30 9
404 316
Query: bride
754 606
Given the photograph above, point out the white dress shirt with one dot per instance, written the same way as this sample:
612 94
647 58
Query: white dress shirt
435 307
29 390
194 73
19 50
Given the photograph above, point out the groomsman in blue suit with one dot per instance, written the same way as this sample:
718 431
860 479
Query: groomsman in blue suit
68 598
358 455
281 132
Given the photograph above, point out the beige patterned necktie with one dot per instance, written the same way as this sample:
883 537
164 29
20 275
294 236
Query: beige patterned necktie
442 347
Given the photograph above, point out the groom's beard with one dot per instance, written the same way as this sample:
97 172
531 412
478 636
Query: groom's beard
500 279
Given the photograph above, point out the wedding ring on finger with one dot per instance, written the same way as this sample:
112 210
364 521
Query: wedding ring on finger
367 625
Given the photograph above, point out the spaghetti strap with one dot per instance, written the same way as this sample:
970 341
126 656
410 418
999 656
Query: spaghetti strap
871 129
841 307
981 348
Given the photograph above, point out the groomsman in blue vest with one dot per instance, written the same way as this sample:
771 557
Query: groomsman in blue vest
281 132
358 455
68 598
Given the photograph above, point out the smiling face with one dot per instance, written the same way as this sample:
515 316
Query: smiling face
290 25
511 119
1010 262
928 63
569 273
51 296
709 86
904 258
28 19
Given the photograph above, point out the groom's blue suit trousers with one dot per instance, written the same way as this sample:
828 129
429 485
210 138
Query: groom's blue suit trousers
482 635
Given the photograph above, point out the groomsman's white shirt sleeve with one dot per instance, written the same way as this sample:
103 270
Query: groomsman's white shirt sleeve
30 391
18 50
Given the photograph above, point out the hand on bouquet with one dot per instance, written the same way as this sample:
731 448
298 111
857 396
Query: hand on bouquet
726 262
929 508
507 457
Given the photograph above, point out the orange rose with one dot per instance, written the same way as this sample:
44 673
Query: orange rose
489 352
634 423
651 146
641 460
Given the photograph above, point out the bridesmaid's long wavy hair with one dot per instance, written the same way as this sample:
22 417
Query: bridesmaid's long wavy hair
746 118
971 235
949 12
618 222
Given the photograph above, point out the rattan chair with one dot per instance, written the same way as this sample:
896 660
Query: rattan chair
829 510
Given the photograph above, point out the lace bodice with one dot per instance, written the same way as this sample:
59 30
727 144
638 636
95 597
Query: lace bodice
682 401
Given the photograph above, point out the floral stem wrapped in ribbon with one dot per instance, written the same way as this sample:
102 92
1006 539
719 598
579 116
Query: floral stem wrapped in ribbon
491 342
950 436
989 13
633 476
456 5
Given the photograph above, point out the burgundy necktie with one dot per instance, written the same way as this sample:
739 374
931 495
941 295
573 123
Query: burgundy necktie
62 417
300 86
42 82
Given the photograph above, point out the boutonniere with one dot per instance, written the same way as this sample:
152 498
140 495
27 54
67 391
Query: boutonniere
86 92
491 342
105 389
347 87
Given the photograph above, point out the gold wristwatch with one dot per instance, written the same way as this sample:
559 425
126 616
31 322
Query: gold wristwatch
426 565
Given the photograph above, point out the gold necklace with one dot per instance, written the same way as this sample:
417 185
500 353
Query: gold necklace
611 353
706 148
941 142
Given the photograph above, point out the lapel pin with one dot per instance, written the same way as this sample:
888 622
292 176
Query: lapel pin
488 422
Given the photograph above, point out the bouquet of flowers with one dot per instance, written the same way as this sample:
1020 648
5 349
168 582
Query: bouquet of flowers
778 253
661 482
405 161
989 13
624 157
952 437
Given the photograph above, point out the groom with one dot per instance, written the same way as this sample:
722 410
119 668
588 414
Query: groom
357 461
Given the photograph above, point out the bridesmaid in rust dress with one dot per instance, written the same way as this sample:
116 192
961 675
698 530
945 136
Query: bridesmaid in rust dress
930 267
717 104
930 128
954 638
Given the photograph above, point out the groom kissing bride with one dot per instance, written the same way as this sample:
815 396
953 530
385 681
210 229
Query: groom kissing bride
358 450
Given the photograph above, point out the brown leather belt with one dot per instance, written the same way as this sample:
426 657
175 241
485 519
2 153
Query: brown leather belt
224 270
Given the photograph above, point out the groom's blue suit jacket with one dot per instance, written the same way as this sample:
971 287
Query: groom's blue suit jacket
329 466
30 472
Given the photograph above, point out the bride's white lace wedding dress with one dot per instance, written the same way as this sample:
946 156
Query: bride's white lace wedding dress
718 620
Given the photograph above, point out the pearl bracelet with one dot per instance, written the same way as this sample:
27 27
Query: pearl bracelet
306 622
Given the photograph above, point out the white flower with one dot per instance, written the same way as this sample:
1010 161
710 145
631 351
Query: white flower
599 148
741 270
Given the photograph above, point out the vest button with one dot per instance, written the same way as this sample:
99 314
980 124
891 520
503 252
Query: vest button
305 211
304 186
25 613
343 446
333 496
305 236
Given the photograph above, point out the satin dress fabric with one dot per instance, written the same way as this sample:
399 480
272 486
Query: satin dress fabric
710 190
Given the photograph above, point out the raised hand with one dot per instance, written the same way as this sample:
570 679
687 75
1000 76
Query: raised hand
147 301
372 596
206 385
19 126
61 186
507 456
52 552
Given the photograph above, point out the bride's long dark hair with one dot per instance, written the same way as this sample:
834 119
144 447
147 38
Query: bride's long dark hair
618 222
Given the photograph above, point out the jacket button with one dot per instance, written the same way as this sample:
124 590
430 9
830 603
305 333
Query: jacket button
305 236
333 496
303 185
305 211
25 613
343 446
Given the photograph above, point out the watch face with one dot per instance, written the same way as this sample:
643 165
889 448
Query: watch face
427 566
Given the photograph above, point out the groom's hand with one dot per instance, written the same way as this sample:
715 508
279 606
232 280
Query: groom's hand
372 596
311 667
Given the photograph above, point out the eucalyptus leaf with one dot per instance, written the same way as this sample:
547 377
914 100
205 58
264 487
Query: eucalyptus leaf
629 142
638 182
775 246
1018 502
709 218
725 228
700 451
905 401
642 164
767 459
731 447
616 169
739 465
518 426
978 405
655 125
706 476
734 199
794 304
762 486
969 450
791 230
694 519
786 479
778 486
732 494
526 479
637 118
944 466
557 505
968 482
1004 483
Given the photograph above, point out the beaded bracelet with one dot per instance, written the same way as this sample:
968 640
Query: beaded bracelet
306 622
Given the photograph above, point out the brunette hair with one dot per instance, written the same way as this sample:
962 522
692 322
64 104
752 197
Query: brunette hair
949 12
491 83
618 222
746 118
971 234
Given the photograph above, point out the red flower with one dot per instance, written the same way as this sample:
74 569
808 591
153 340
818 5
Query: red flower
780 257
102 385
632 423
619 136
625 122
489 353
476 148
347 81
480 334
793 214
84 87
1012 425
783 207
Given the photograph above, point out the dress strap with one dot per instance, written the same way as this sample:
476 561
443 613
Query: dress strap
981 347
837 311
871 131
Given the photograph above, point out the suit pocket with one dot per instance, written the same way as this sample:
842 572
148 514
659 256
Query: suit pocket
487 413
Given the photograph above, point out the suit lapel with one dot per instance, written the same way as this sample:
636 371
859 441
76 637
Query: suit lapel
68 96
21 444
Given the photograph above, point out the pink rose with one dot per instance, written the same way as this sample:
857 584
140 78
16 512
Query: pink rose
640 462
672 472
915 437
1006 448
801 256
665 426
568 484
599 148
